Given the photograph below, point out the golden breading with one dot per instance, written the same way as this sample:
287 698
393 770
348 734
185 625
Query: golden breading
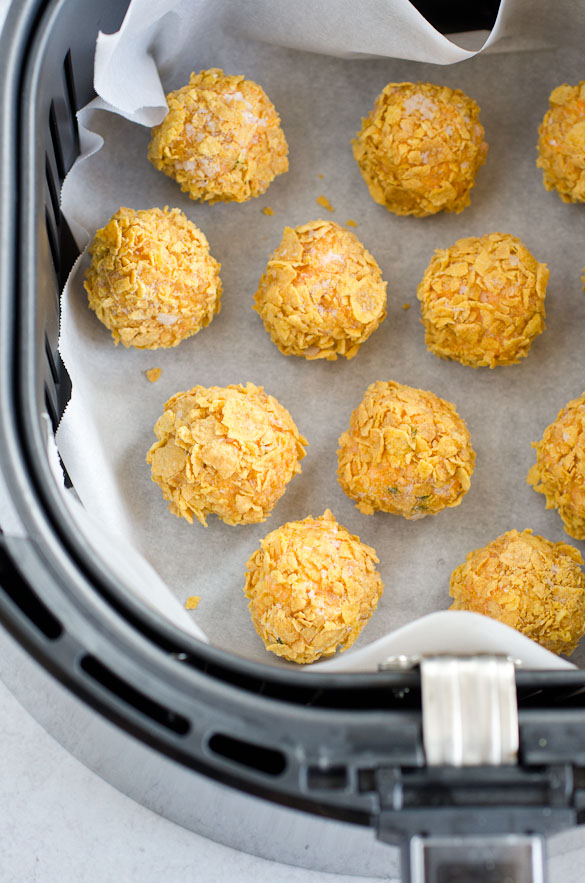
559 471
420 148
322 293
312 588
225 450
561 145
407 452
528 583
152 281
221 139
482 300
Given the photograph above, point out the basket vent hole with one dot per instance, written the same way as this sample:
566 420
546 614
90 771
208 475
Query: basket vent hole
51 409
56 139
327 779
53 242
256 757
25 599
53 193
70 85
131 696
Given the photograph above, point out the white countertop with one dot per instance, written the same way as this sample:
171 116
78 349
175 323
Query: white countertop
46 838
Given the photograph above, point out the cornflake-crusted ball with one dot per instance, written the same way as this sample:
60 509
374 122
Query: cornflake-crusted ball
221 139
312 588
420 148
482 300
528 583
559 471
407 452
561 145
322 293
225 450
152 281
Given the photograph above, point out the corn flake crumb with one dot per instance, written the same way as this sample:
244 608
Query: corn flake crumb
407 452
528 583
152 281
561 143
225 450
312 587
267 211
351 223
420 148
322 293
221 139
192 602
153 374
324 203
482 300
559 471
405 306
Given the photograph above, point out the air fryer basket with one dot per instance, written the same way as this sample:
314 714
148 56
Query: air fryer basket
346 747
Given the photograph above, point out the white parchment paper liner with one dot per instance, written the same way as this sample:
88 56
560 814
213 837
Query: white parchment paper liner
107 427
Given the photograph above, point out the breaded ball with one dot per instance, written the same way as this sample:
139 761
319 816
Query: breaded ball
312 588
528 583
221 139
420 148
152 281
561 145
407 452
482 300
322 293
225 450
559 471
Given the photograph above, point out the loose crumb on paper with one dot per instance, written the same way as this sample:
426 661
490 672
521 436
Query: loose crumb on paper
405 306
192 602
351 223
324 203
153 374
267 211
321 175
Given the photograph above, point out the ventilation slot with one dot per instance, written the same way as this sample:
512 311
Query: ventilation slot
12 584
53 193
56 139
53 242
131 696
71 100
51 361
327 779
255 757
51 408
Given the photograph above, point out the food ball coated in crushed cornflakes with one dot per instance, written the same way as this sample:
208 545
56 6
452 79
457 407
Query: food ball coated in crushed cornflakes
559 471
312 587
482 300
322 293
225 450
528 583
407 452
561 145
221 139
420 148
152 281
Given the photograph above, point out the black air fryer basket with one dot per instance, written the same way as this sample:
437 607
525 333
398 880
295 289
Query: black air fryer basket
367 749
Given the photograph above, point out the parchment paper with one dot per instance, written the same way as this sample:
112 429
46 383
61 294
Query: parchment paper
107 428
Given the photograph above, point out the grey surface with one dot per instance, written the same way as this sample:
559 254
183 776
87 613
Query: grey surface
60 822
